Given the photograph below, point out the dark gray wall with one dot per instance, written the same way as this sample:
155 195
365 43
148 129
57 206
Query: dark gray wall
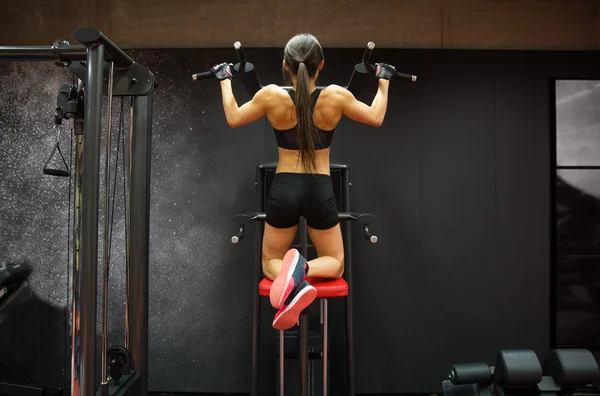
458 175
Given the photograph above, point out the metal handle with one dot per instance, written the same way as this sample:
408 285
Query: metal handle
368 52
363 218
369 236
240 51
239 236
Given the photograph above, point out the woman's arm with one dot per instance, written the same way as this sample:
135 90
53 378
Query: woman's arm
360 112
249 111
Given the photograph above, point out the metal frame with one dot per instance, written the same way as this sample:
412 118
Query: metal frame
89 63
259 217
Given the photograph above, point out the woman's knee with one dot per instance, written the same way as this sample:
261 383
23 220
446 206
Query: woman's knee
341 270
269 267
340 258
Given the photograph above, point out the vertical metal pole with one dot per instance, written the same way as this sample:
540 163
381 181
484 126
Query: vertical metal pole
325 346
351 391
75 303
107 231
127 194
89 217
303 319
260 186
281 362
141 155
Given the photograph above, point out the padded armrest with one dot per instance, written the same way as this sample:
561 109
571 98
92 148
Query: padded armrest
517 368
572 367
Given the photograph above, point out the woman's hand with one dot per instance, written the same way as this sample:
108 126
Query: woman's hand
384 71
223 71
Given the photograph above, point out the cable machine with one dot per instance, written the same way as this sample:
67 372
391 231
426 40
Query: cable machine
102 68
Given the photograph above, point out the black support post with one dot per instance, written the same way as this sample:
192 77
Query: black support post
89 218
256 328
303 318
75 291
351 391
141 147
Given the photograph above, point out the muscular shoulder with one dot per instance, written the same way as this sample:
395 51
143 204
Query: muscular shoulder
269 94
334 94
334 88
335 91
271 91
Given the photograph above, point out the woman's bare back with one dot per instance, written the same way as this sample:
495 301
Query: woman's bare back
282 113
282 116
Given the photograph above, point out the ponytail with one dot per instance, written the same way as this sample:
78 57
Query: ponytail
306 131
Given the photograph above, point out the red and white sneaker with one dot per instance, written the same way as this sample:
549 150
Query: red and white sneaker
289 314
293 272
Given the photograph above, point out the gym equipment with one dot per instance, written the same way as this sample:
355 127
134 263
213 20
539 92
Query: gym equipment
14 291
69 105
98 57
119 362
57 172
363 218
517 371
470 379
573 370
246 72
326 289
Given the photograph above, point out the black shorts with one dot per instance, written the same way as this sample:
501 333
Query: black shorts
300 194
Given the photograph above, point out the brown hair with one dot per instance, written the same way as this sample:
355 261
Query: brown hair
303 55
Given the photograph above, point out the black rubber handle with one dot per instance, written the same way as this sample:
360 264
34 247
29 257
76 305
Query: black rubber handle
401 76
56 172
404 76
202 75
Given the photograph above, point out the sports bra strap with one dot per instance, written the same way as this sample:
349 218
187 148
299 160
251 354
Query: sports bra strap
314 96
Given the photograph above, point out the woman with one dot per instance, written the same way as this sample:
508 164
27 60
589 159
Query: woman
304 119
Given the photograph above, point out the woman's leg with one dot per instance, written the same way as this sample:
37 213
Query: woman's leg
330 251
283 265
290 292
276 242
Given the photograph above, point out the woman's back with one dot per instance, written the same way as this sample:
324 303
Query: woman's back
282 116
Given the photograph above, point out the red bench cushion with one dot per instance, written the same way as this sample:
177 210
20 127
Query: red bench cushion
326 288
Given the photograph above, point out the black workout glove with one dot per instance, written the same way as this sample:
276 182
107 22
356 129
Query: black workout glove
222 71
384 71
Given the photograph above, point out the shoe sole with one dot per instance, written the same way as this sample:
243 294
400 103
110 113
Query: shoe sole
287 318
284 283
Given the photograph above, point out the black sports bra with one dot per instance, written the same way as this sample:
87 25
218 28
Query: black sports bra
286 139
